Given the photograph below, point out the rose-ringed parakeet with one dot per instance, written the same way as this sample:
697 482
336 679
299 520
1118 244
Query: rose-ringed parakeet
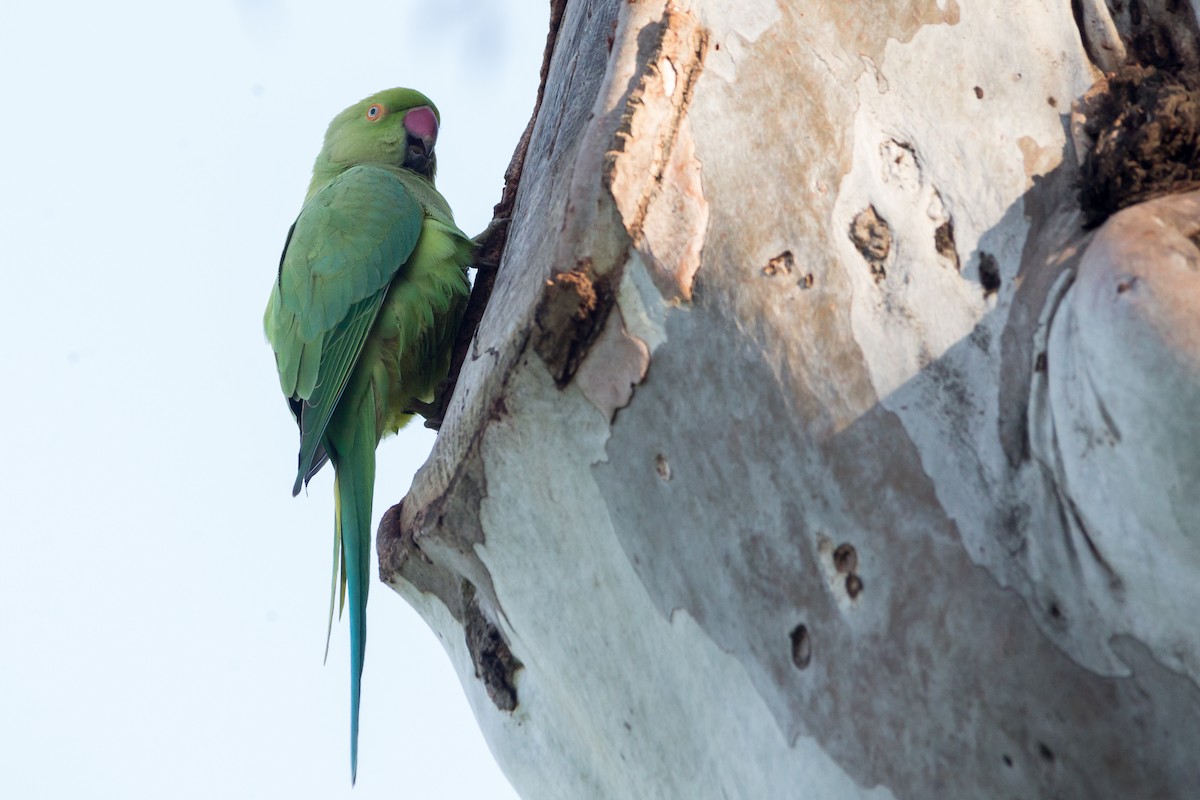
363 314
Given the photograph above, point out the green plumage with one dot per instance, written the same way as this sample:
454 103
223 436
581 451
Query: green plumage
362 317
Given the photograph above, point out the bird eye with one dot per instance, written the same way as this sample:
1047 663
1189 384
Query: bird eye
374 112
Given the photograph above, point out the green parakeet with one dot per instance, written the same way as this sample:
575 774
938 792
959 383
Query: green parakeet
362 317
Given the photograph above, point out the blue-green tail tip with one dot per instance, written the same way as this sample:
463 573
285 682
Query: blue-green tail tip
354 741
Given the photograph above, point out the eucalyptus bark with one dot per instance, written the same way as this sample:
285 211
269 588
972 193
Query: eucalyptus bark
831 427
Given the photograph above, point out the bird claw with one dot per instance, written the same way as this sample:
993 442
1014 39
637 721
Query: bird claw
488 243
434 411
494 227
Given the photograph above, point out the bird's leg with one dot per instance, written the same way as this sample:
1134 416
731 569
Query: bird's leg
490 243
426 410
434 411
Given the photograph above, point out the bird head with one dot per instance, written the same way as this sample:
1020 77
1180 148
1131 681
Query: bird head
395 127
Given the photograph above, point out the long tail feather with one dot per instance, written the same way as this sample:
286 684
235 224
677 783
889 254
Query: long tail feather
338 569
355 467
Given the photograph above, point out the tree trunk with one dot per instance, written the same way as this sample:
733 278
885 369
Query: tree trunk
809 445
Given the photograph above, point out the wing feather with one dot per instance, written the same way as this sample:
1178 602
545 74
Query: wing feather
348 244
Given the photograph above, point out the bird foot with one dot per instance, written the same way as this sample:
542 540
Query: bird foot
489 243
434 411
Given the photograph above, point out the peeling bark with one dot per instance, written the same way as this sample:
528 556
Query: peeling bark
808 444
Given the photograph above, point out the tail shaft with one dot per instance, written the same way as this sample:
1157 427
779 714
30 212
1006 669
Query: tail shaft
354 464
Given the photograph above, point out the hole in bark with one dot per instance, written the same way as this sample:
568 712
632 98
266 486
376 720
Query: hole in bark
1039 363
1055 611
662 467
782 264
845 558
979 92
870 234
1045 752
943 242
854 585
1050 101
807 281
801 646
570 315
1008 762
1126 284
989 273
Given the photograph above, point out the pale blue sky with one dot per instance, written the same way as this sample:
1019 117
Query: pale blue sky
164 594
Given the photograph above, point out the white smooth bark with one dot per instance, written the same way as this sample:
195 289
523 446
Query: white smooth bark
809 446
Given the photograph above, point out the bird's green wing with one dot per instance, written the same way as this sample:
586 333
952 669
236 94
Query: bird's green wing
349 242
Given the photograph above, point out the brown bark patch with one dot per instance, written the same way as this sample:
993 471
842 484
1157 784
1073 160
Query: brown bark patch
495 664
651 166
782 264
569 317
943 242
873 238
1145 141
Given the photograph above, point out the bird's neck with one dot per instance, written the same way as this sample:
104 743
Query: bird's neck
325 170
